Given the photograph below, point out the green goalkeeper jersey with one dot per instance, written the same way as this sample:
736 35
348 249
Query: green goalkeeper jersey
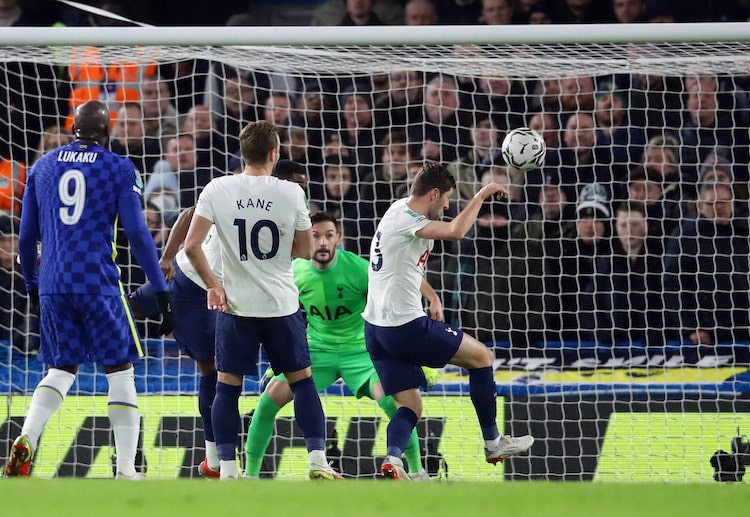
333 300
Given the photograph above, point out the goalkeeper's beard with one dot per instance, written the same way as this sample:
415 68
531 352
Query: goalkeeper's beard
323 256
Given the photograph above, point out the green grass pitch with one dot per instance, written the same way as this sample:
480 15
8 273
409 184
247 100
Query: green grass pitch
109 498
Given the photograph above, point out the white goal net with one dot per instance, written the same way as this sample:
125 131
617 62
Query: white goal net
613 285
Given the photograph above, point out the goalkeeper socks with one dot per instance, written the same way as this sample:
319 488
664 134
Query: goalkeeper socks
309 414
225 414
399 430
48 396
260 433
412 452
484 397
206 395
125 418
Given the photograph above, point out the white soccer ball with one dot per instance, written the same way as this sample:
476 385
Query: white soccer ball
524 149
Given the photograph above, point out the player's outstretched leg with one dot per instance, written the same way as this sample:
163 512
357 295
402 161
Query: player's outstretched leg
311 420
477 358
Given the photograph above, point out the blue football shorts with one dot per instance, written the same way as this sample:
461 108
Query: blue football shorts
399 353
80 328
238 341
194 325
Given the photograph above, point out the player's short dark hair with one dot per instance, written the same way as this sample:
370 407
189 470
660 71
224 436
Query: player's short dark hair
91 121
432 175
286 169
322 216
257 139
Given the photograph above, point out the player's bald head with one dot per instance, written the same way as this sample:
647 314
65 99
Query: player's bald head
91 122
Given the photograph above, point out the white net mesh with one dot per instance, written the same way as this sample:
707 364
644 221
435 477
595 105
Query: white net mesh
620 332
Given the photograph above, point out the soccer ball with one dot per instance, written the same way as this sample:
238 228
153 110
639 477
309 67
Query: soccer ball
524 149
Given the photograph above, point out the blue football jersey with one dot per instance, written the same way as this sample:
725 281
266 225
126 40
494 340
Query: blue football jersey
76 192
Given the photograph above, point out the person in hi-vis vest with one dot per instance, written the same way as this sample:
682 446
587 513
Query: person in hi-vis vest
12 181
109 82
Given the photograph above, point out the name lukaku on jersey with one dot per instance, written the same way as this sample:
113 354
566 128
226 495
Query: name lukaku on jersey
77 156
326 312
260 204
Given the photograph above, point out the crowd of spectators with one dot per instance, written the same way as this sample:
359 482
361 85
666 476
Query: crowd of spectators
634 231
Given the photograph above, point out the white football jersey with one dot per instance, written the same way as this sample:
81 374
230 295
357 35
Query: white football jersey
212 249
397 266
255 219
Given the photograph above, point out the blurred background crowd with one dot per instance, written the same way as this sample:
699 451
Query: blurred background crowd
635 230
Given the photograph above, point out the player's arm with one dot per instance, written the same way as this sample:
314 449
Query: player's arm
144 250
28 238
176 237
196 234
435 304
303 244
462 223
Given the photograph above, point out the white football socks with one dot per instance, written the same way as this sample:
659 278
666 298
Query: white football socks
125 418
48 396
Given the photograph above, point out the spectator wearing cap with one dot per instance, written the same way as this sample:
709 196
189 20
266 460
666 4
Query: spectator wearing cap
622 304
706 272
19 325
613 129
573 271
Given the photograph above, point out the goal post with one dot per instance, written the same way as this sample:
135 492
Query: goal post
595 352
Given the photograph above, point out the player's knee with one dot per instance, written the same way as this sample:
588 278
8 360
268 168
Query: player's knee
479 357
280 392
486 357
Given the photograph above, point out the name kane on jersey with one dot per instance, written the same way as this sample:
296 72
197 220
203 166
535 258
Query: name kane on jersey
260 204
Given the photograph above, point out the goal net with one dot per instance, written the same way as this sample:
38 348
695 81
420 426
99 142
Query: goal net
613 285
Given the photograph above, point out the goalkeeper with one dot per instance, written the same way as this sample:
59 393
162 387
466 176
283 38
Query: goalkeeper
333 293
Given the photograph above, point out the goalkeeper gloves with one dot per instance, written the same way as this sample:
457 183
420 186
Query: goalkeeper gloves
167 316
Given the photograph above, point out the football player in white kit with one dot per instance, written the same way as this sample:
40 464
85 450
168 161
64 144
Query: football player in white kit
401 339
262 224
